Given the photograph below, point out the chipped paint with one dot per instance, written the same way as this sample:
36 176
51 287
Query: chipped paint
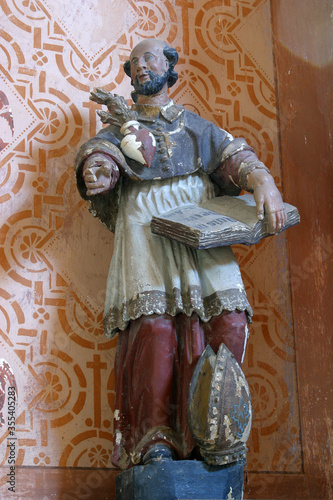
239 382
231 180
230 497
118 437
227 430
247 334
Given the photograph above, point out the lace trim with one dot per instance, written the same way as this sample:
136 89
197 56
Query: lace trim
157 302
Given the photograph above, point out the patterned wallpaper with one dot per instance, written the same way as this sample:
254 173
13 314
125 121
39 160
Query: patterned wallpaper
54 256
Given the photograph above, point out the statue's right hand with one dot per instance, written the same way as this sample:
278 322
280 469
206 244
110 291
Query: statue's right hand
100 174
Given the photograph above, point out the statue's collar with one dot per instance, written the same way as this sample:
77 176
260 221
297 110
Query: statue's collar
149 113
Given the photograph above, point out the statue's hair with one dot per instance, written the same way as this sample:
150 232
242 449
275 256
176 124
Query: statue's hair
171 55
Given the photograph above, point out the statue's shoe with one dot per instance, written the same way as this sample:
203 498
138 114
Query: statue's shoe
158 452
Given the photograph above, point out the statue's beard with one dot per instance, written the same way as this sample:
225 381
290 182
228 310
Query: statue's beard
152 86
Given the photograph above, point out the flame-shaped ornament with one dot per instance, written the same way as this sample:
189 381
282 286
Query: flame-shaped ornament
139 143
219 407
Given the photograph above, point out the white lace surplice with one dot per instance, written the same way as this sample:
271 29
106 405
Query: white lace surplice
152 274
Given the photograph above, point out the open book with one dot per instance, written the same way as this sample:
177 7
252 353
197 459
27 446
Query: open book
222 221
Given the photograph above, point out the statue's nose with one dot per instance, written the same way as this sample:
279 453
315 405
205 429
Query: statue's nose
142 64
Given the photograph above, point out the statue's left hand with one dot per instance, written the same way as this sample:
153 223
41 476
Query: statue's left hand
268 200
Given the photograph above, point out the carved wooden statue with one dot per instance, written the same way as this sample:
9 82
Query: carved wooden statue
168 301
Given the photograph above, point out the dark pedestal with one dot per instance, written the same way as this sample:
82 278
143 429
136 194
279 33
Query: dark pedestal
184 479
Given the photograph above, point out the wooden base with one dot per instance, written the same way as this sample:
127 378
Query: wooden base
59 483
190 479
92 484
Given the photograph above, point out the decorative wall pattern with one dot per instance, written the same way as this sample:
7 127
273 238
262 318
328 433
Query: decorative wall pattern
54 256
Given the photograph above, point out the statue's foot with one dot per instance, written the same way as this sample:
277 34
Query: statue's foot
158 452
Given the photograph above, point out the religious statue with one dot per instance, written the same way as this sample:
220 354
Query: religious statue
168 302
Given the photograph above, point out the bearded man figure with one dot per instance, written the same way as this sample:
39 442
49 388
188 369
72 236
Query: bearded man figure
165 300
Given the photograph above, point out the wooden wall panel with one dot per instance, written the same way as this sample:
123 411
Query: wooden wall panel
304 69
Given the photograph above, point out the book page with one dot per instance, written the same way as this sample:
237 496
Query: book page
199 219
241 208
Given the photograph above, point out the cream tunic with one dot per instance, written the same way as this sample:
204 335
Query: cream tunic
152 274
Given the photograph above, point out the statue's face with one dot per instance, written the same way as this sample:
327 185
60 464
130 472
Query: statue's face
149 67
